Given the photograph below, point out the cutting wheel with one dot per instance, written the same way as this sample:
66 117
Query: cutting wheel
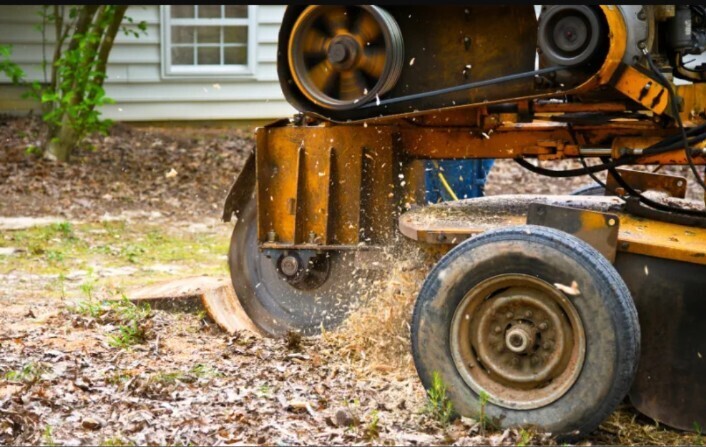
277 305
342 57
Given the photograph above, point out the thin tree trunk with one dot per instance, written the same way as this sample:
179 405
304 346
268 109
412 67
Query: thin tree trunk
103 21
61 141
108 40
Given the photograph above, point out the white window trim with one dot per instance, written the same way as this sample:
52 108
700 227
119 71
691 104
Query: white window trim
208 71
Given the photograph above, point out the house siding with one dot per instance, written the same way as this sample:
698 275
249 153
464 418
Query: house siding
135 79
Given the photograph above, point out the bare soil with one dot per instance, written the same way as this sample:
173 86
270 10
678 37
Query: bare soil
64 382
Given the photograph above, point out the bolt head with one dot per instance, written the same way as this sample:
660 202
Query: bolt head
528 314
543 326
498 329
508 315
289 265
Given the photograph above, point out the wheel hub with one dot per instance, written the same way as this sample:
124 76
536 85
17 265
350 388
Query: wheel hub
289 265
304 269
518 339
343 52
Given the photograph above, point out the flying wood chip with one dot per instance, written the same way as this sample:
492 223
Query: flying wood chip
572 290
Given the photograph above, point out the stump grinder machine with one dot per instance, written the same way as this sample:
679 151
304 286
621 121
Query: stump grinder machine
553 308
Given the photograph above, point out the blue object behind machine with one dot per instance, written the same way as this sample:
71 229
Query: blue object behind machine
466 178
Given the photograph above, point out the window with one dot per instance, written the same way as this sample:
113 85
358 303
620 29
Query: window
205 40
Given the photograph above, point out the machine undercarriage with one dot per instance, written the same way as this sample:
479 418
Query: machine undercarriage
544 303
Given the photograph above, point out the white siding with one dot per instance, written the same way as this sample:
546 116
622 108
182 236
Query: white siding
135 78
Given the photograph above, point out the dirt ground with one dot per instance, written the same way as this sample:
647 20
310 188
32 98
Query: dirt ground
141 206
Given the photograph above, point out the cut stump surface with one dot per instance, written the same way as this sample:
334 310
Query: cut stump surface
214 295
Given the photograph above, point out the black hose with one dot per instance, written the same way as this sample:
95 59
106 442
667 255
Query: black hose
677 117
649 202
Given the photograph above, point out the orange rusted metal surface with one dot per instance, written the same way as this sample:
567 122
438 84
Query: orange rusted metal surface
672 185
641 88
451 223
321 185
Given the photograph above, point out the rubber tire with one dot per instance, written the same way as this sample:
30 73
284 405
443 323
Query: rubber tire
592 189
275 306
604 306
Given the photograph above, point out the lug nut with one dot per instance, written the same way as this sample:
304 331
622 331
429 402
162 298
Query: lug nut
528 314
498 329
508 315
548 345
543 326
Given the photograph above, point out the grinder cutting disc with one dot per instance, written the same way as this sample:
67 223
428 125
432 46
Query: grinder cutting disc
277 305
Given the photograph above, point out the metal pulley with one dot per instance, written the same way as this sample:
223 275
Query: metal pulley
571 35
342 57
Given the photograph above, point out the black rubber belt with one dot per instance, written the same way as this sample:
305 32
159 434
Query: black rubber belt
461 87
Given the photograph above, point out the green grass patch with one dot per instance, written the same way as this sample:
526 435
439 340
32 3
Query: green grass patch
63 248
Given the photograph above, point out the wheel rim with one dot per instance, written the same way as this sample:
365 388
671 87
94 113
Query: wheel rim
519 340
342 57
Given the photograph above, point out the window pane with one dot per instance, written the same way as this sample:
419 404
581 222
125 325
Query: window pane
182 11
235 55
235 34
209 11
183 56
182 34
209 56
236 11
209 34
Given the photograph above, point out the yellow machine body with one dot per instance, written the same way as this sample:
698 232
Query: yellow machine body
346 175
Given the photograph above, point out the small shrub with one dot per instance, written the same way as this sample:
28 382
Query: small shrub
55 256
88 286
48 437
9 68
372 430
127 311
483 400
64 228
132 252
128 335
30 372
699 439
89 308
525 438
438 404
264 390
203 371
115 441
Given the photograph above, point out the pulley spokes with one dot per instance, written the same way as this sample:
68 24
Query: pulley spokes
343 56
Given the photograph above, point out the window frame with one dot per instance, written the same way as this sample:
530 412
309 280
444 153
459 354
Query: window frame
169 71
